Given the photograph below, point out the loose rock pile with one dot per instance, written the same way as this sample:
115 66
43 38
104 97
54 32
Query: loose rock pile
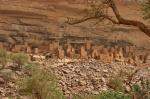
78 76
8 79
92 76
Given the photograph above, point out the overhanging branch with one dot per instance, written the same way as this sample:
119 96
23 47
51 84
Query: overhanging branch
77 21
121 20
98 13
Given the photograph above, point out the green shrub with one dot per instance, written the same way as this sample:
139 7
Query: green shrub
3 57
146 9
19 58
105 95
83 96
116 83
41 84
112 95
30 66
136 88
78 97
143 91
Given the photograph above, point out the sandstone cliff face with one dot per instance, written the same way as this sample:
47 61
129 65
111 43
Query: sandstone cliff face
30 20
22 20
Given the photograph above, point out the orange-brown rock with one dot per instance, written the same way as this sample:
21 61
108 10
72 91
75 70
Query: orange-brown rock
135 60
61 53
20 20
28 50
112 50
1 45
127 51
17 48
36 50
26 44
83 53
141 58
70 51
88 44
116 47
146 58
95 52
100 48
120 52
55 45
43 48
104 56
51 48
131 61
131 49
118 56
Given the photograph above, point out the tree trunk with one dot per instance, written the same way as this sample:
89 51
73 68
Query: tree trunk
121 20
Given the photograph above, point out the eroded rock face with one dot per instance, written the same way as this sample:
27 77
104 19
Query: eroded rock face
22 20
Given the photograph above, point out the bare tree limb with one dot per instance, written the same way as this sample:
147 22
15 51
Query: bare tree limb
121 20
100 13
75 21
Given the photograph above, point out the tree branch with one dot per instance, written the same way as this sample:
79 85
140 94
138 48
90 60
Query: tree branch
73 22
120 20
77 21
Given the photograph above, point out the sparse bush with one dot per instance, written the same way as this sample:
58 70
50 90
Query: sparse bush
41 84
20 59
112 95
29 66
78 97
76 56
136 88
83 96
116 83
105 95
3 57
146 9
143 91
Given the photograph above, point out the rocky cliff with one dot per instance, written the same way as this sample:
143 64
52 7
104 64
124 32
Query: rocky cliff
31 20
22 20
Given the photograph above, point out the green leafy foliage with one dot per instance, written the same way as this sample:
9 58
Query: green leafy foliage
112 95
30 66
116 83
4 57
142 92
136 88
105 95
19 58
41 84
83 96
78 97
146 9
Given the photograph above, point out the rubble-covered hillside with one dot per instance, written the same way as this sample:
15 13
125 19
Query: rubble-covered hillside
42 56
